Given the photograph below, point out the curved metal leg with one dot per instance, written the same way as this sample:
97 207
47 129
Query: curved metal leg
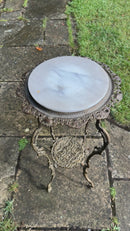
41 151
97 150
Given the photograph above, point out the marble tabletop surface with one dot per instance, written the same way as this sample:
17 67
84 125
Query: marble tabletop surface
69 84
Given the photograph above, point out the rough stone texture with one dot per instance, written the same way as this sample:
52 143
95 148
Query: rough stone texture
60 130
56 32
30 34
8 156
4 193
25 59
10 16
13 120
123 204
45 8
37 208
14 4
9 28
120 151
8 159
58 16
61 229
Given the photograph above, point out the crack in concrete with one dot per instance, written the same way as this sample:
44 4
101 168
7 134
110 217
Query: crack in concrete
109 167
56 229
121 179
30 46
17 167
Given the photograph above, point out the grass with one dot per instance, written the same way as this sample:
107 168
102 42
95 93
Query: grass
7 223
44 23
8 207
113 193
25 4
6 10
114 225
114 228
14 187
71 39
3 20
21 18
102 35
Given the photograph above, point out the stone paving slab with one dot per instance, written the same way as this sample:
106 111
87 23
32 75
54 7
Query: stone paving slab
57 15
45 8
30 34
9 17
9 28
14 4
13 121
8 160
25 59
70 203
56 32
123 204
119 149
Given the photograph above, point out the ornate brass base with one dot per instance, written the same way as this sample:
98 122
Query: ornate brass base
68 152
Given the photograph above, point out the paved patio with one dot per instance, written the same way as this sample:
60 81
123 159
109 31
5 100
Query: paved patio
71 203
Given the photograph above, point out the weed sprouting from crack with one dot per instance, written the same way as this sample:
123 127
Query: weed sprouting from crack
22 143
6 10
113 193
14 187
44 23
21 18
25 4
7 223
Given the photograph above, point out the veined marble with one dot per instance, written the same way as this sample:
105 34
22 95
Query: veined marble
68 84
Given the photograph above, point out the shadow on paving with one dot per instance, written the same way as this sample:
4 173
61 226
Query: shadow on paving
71 202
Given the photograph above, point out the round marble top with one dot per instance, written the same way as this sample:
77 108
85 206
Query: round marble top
69 84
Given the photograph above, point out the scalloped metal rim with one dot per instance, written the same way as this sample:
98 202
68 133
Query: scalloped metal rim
75 120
